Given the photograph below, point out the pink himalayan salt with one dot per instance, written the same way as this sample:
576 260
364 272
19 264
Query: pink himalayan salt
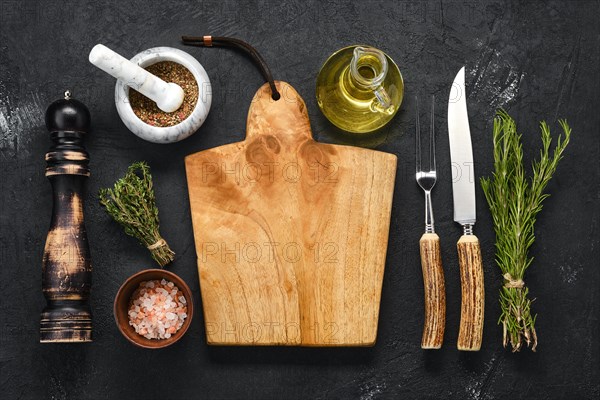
157 309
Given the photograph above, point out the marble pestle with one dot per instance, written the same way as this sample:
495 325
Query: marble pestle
168 96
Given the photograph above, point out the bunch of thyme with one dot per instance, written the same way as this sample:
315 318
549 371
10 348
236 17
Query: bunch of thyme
132 204
515 201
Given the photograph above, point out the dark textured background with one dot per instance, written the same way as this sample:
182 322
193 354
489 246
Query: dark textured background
538 60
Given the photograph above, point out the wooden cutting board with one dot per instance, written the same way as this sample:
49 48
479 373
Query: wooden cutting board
291 234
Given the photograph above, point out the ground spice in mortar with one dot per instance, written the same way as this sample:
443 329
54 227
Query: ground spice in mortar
148 111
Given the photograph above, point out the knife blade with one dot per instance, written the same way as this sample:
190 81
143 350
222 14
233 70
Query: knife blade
461 153
463 193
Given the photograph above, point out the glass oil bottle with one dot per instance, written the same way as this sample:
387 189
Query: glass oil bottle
359 89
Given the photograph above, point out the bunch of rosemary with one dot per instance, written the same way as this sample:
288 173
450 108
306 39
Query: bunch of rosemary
514 201
132 204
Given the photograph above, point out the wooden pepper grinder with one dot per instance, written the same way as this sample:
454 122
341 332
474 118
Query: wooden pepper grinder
67 269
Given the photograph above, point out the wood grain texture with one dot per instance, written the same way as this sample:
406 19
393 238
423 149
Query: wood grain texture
435 292
291 234
66 264
470 333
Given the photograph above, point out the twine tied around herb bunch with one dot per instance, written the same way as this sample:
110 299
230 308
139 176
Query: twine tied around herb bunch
132 204
513 283
223 41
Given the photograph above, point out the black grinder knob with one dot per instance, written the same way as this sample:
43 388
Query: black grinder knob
67 268
68 115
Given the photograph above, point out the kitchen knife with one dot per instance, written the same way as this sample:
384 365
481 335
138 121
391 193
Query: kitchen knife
463 190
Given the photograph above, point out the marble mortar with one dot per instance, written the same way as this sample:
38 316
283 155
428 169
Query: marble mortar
185 128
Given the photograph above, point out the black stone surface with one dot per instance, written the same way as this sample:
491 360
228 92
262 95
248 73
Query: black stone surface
539 60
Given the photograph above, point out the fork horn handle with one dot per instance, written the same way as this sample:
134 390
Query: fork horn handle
435 292
473 296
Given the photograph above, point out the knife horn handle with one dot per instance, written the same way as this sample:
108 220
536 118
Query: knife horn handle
435 292
473 296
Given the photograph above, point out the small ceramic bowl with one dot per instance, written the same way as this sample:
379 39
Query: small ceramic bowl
123 298
185 128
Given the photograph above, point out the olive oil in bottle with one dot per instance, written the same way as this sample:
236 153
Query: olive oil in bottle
359 89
